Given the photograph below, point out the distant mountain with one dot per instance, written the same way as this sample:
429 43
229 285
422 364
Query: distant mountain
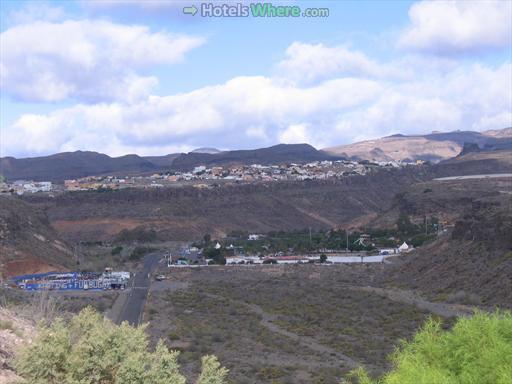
70 165
211 151
433 147
282 153
163 162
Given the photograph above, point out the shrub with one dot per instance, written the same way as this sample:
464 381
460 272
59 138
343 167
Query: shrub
476 350
92 350
139 234
139 252
116 250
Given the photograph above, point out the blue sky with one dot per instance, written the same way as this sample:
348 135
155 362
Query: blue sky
140 77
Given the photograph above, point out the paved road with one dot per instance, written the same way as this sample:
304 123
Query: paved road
138 292
469 177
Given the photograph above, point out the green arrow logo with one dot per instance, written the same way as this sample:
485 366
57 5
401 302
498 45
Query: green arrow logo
190 10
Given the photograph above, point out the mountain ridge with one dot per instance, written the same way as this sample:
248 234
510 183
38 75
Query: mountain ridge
434 147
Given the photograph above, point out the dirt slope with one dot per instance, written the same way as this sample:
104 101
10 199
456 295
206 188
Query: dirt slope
27 242
433 147
189 213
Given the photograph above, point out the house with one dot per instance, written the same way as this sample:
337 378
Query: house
404 248
199 169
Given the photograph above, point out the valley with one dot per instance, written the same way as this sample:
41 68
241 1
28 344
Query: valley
298 323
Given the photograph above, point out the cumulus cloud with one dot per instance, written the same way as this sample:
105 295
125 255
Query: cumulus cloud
445 102
259 111
256 111
311 62
85 60
453 27
254 108
307 64
295 134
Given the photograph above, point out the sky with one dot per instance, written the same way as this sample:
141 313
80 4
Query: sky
122 76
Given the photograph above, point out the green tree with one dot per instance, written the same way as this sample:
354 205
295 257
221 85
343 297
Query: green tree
89 349
405 226
212 372
216 255
164 368
323 258
476 350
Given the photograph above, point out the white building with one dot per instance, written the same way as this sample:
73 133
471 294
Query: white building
404 248
199 169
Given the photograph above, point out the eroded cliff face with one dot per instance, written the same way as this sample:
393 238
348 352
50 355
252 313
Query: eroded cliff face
188 213
28 244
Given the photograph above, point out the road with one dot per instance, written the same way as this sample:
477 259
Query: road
133 306
469 177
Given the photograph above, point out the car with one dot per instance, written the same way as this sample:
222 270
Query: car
160 277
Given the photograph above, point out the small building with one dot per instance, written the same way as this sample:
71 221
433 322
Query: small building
199 169
404 248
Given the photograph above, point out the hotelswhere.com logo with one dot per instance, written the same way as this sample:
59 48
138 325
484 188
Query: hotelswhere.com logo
254 10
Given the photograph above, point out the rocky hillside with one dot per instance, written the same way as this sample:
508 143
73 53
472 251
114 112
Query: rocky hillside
476 163
432 147
470 261
188 213
70 165
471 264
28 244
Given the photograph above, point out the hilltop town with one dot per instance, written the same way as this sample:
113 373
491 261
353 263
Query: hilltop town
203 176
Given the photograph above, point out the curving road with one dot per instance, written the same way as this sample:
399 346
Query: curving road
133 305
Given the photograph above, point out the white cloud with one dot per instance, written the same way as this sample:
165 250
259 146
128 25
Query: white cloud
445 102
253 109
256 111
311 62
34 11
295 134
308 64
85 60
452 27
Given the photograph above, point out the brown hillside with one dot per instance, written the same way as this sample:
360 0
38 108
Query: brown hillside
433 147
27 242
471 264
188 213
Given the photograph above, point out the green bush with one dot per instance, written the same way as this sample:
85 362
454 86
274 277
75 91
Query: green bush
139 252
116 250
92 350
476 350
139 234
